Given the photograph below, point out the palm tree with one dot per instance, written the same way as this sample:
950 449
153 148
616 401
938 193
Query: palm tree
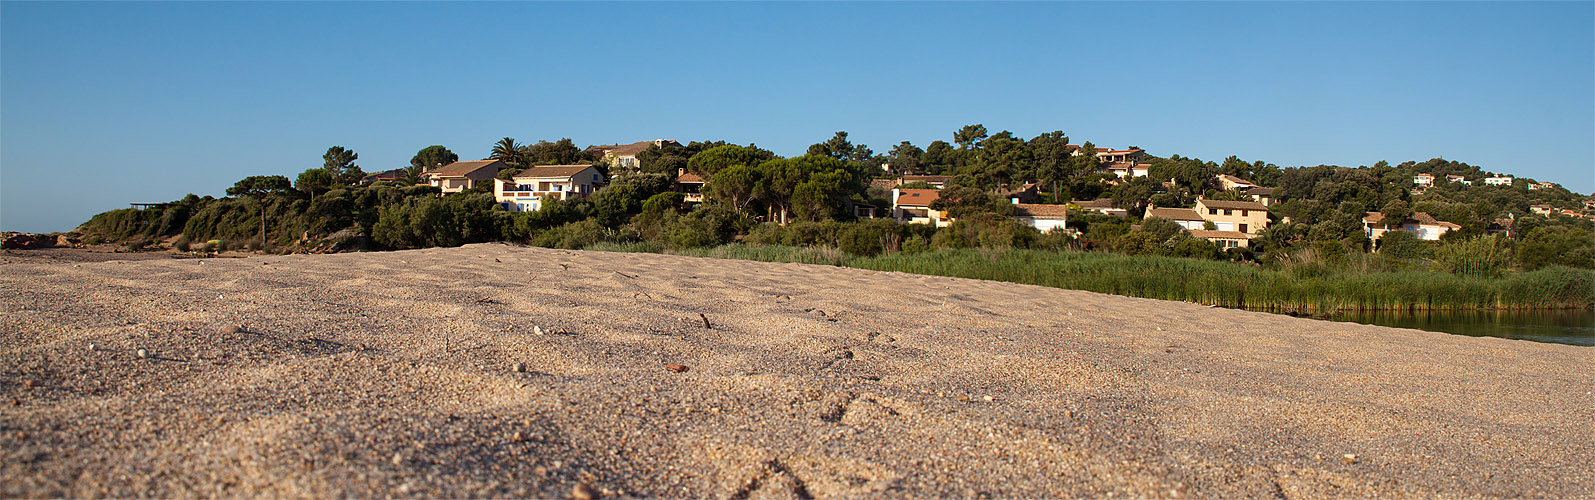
507 151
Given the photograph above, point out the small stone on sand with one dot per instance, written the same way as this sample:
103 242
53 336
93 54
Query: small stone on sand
143 353
520 367
537 330
676 368
1348 458
93 347
398 459
583 492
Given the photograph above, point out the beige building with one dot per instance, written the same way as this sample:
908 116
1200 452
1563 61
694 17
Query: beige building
1229 182
463 175
624 156
1185 217
1224 239
526 191
1248 217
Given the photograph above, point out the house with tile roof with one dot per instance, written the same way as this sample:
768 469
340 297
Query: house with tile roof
1042 217
624 156
1262 195
1101 206
1248 217
1229 182
913 205
1425 226
1224 239
526 191
691 185
463 175
1185 217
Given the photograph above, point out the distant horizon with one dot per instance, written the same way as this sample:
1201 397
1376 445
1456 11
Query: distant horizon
107 104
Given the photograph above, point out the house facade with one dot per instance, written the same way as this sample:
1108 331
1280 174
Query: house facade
1132 155
1262 195
526 191
1248 217
1042 217
913 205
691 185
1101 206
1458 178
1126 169
1420 223
1229 182
1423 180
624 156
463 175
1185 217
1224 239
1500 180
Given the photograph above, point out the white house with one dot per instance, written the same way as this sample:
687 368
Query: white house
1420 223
913 205
526 191
1500 180
1423 180
1126 169
463 175
1042 217
1101 206
1458 178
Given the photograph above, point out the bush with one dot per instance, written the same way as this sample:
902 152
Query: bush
183 244
136 244
1404 245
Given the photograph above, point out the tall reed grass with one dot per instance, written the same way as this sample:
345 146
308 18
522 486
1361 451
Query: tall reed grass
1207 282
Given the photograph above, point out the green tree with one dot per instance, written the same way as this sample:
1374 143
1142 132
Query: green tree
904 159
969 136
314 181
259 185
1396 212
1557 245
710 161
735 186
507 151
432 157
340 163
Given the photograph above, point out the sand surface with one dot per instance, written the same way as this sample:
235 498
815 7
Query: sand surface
394 374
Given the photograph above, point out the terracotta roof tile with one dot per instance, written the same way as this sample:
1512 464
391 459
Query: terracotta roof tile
917 197
1034 210
1174 214
462 168
547 171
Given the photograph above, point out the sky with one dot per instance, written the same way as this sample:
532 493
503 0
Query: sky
106 104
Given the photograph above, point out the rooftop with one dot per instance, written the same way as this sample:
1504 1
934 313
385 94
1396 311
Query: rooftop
551 171
916 197
1034 210
1174 214
463 168
1232 205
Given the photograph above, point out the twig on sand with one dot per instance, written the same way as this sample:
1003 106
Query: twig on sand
626 275
706 324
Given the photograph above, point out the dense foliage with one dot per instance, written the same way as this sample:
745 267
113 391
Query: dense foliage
754 197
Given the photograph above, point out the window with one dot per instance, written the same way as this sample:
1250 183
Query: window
1212 211
1227 212
1243 213
1243 228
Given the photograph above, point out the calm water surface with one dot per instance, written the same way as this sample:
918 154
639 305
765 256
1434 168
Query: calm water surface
1576 327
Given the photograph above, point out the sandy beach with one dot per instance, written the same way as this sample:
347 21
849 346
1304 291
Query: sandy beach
497 370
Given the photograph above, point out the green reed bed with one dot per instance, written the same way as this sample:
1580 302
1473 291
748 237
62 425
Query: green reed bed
1207 282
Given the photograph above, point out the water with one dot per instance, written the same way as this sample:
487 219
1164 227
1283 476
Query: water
1575 327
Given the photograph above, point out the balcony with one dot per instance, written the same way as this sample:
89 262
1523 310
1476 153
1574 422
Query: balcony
533 195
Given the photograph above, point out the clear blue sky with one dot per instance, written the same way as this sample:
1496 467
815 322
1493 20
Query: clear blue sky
102 104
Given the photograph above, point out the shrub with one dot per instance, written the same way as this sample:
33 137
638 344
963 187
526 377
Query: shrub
183 244
136 244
